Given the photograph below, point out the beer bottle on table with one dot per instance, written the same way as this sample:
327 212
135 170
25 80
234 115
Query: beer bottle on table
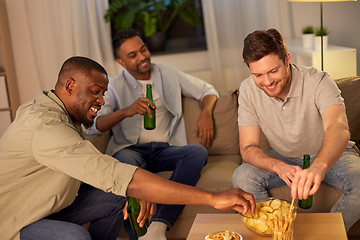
133 210
149 123
306 203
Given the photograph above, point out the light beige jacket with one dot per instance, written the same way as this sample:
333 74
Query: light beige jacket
43 160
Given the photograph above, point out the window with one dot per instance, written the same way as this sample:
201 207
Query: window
179 36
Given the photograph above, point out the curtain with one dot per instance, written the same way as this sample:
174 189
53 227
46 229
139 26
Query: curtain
227 23
45 33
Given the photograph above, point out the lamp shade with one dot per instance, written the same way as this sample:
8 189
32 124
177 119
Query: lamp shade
322 0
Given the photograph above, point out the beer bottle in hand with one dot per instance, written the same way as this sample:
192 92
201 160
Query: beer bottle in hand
149 123
133 210
306 203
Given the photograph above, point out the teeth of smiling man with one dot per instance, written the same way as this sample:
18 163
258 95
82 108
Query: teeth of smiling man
94 110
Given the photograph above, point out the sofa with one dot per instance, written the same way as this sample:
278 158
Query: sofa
224 155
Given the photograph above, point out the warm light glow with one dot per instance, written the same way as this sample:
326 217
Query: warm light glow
321 21
322 0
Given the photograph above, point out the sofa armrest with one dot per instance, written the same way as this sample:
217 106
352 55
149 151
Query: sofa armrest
350 91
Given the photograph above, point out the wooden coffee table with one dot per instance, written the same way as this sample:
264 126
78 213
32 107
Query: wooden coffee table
309 226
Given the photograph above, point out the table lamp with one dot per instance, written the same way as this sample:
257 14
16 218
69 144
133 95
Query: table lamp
321 22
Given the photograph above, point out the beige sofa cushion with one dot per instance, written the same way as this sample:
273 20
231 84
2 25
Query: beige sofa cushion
225 141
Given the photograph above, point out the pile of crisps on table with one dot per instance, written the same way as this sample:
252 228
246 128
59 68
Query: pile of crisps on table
265 210
223 236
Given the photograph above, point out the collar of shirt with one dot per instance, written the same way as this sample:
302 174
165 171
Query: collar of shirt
155 75
296 81
52 96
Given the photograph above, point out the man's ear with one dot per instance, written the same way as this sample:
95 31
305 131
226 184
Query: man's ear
69 85
287 59
121 62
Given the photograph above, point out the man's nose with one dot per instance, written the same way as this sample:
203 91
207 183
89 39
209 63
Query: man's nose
267 80
101 100
142 56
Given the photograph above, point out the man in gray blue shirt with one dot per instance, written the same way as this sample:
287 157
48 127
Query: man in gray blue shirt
300 110
165 148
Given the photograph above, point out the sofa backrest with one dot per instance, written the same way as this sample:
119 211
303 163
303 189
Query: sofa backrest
226 135
226 139
350 91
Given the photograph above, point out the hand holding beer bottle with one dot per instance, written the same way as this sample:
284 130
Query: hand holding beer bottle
133 210
306 203
149 123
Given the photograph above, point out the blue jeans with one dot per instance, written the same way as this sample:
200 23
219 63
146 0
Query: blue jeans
344 175
103 211
186 162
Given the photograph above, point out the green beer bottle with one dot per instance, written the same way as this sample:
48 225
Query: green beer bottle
149 123
133 210
306 203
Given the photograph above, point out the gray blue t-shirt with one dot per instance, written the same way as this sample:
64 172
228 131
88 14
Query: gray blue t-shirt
170 84
294 126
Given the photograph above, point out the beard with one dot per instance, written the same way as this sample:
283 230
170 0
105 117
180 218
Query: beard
86 122
281 85
82 114
279 89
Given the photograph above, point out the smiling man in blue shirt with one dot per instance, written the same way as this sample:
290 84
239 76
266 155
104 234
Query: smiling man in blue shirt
165 148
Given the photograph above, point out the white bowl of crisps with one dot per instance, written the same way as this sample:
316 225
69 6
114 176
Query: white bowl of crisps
270 213
224 235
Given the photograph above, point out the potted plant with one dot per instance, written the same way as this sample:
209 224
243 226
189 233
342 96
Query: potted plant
308 36
152 17
317 40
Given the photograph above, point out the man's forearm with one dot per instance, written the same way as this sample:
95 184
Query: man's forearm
150 187
208 103
256 156
106 122
334 144
153 188
336 137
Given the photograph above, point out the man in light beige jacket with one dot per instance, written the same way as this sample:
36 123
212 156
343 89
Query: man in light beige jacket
52 181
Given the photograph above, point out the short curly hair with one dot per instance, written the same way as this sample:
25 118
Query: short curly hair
80 64
261 43
121 37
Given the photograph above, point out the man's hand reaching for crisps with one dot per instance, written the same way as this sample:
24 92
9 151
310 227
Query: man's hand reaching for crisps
287 172
235 199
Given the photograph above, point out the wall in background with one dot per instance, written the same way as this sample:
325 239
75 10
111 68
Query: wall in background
341 18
